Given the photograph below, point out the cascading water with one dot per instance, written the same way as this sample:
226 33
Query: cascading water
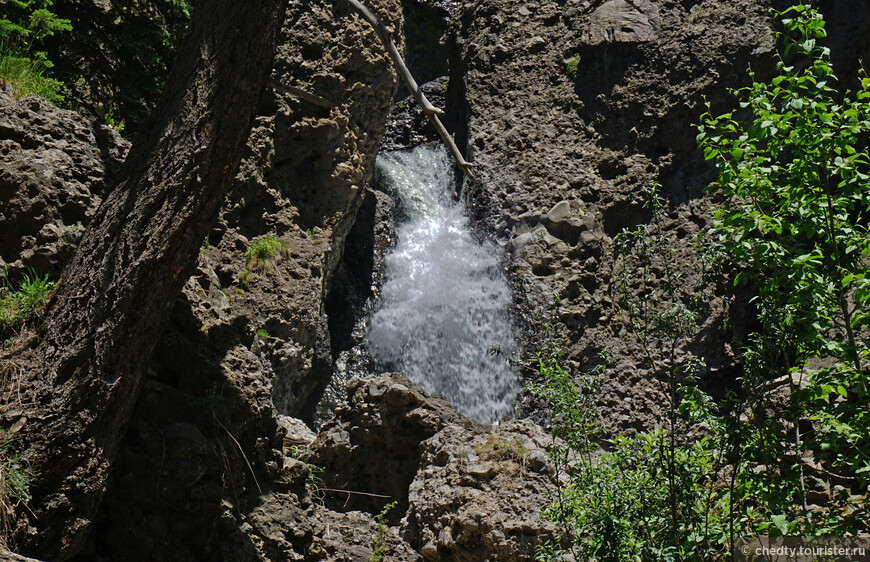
443 320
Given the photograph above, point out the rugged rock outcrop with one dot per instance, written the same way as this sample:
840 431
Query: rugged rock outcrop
572 108
478 495
54 167
201 473
467 491
378 432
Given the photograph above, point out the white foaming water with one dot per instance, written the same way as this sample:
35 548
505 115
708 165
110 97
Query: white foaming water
445 302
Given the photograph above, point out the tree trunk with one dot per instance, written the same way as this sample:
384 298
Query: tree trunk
68 395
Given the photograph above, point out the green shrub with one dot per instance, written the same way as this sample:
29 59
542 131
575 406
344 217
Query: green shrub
795 177
380 547
261 251
619 501
24 65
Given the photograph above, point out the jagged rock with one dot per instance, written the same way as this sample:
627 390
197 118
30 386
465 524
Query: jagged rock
407 125
355 536
378 433
246 341
562 223
623 21
297 433
565 138
54 167
478 494
468 491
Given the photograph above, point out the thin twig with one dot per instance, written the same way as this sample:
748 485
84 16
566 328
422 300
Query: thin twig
355 493
243 455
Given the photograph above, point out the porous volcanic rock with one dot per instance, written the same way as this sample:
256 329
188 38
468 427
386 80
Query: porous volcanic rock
478 495
378 432
572 109
468 491
54 167
355 536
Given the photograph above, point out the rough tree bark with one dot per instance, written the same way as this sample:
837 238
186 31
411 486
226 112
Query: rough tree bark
68 394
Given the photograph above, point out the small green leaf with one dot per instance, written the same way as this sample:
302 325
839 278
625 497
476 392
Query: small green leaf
779 522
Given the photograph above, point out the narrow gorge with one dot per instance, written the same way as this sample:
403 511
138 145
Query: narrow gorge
374 357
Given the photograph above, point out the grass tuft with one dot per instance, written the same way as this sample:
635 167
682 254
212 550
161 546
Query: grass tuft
16 306
261 251
26 76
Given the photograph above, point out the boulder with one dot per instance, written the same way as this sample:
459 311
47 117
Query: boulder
55 165
478 494
623 21
378 432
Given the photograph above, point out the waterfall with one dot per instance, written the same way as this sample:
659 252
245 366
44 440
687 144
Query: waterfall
444 316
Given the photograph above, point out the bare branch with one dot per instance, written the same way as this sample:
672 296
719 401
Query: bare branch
430 110
337 491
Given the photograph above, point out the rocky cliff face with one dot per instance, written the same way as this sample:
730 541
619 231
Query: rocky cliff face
572 107
250 336
568 108
202 473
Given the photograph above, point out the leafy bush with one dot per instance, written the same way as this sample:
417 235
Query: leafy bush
24 65
619 500
795 179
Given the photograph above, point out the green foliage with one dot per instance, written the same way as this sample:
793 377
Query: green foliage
618 503
300 452
795 180
498 449
381 548
572 64
314 481
27 76
263 335
24 64
261 251
136 43
15 477
108 117
16 306
31 22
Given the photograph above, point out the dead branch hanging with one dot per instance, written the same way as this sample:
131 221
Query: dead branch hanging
430 110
